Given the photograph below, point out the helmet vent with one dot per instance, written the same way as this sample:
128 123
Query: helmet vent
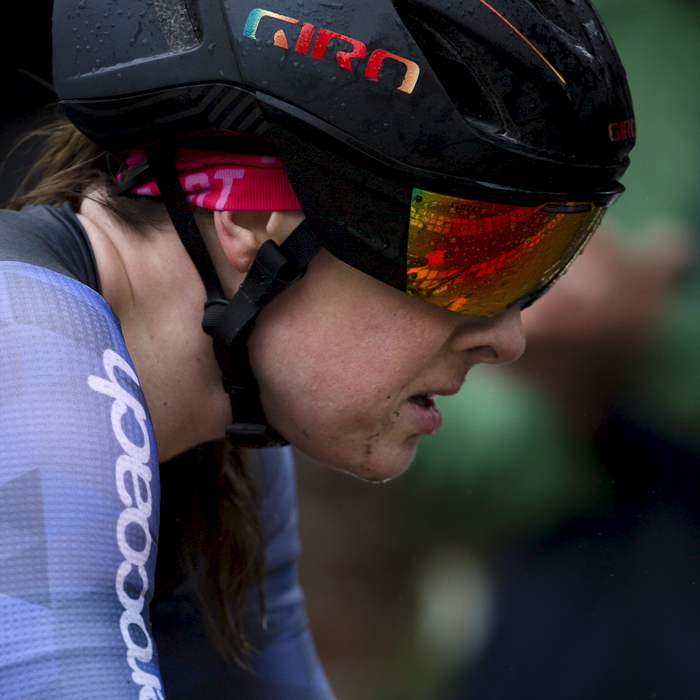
180 24
555 16
456 62
549 10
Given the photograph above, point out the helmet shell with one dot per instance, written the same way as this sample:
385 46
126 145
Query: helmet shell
512 100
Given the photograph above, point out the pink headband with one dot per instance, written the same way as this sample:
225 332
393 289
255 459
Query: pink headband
227 181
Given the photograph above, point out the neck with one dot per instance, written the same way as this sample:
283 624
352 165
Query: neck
152 285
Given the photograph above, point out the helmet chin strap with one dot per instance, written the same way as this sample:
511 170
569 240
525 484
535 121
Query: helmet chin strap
230 321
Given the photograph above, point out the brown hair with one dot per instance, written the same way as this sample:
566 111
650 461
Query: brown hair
212 492
221 542
70 168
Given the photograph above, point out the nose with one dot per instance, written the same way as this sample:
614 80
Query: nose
493 340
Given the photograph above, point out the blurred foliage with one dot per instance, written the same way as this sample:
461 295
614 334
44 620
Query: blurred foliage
668 392
501 467
659 44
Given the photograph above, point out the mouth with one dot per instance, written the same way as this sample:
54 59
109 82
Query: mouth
423 400
426 412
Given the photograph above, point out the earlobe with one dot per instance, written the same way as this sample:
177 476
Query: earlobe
238 238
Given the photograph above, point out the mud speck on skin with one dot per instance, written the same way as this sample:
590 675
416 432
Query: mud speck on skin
370 443
364 468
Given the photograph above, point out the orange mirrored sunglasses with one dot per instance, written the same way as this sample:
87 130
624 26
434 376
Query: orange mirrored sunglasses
480 257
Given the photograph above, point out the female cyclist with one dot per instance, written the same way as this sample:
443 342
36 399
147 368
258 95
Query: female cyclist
292 223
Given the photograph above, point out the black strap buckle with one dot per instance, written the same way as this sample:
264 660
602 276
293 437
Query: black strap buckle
213 311
255 435
128 178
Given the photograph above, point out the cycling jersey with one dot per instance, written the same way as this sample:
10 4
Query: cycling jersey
80 505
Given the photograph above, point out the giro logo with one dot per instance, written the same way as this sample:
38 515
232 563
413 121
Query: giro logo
344 58
622 131
463 208
134 487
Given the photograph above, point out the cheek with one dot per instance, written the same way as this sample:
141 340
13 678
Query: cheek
336 357
334 388
318 375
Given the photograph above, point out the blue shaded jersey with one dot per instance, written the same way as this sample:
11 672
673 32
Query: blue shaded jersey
79 512
78 497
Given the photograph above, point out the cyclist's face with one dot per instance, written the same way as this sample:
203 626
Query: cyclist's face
347 366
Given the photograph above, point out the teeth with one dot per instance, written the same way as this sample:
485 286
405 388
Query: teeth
420 399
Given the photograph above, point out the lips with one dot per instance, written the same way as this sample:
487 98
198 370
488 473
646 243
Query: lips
427 413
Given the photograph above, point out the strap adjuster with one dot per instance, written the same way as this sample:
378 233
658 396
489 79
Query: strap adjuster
255 435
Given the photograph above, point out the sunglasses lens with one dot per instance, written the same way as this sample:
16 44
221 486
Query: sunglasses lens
479 257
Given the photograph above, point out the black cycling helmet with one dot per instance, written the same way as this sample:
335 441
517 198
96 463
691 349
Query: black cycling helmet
460 150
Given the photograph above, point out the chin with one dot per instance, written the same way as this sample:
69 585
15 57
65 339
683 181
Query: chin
377 467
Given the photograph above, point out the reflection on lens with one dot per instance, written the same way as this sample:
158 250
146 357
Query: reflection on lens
480 257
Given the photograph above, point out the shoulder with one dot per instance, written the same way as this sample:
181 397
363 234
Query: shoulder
79 468
49 238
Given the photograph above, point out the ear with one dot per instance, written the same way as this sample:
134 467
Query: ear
241 234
